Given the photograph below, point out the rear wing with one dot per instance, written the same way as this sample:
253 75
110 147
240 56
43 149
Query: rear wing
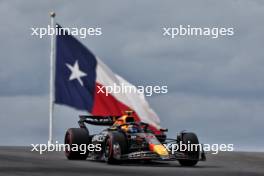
97 120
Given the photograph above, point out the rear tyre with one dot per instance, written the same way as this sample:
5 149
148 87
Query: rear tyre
115 147
192 138
75 137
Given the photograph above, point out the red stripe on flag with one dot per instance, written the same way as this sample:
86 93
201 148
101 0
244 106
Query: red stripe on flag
107 105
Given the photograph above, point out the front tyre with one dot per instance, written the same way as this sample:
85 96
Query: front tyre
115 147
194 155
74 138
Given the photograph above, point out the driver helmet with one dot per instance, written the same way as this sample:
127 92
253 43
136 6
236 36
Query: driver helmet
132 129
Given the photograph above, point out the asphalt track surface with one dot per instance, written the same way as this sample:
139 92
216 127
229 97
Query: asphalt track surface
21 161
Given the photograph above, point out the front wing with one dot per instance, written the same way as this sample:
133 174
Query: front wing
148 155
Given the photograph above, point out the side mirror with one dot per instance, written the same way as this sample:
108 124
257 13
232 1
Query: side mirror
164 129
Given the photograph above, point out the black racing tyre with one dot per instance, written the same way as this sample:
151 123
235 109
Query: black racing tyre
114 138
192 138
76 137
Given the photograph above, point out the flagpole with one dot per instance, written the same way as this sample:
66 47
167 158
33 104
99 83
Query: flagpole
51 91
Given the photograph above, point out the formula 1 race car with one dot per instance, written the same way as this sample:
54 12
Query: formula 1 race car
126 139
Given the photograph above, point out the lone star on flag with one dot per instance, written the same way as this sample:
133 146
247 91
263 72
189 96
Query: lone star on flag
76 73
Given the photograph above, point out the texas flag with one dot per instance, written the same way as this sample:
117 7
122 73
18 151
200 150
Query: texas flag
80 75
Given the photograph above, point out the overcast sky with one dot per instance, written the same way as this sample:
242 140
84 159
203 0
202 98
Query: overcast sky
216 86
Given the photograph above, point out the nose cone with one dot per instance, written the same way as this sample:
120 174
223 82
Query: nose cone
159 149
